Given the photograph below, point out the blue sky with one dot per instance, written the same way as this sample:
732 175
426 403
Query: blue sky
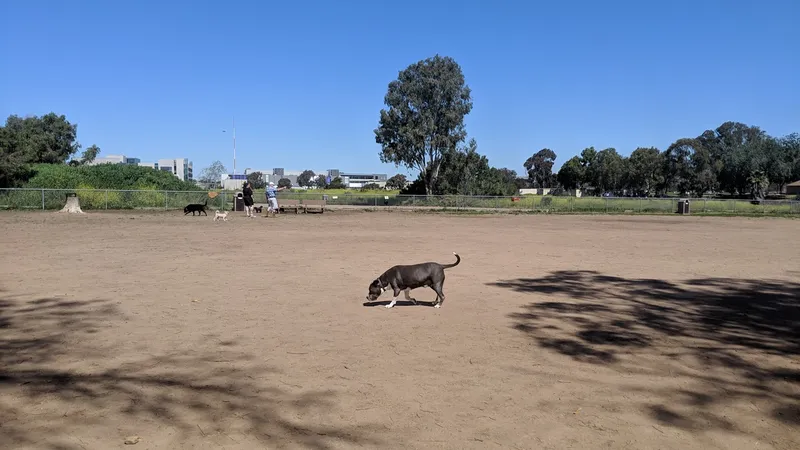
306 80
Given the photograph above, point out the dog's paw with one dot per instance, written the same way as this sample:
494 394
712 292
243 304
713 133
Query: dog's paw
413 300
388 306
437 305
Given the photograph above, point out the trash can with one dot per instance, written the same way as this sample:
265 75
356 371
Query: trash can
238 202
683 206
385 200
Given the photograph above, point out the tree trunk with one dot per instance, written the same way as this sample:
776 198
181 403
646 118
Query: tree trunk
72 206
431 174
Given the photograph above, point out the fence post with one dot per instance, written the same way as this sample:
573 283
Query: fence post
606 205
42 199
165 200
705 201
106 198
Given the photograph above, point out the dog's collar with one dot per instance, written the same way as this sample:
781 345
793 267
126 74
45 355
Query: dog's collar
380 285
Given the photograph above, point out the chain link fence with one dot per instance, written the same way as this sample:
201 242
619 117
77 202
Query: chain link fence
98 199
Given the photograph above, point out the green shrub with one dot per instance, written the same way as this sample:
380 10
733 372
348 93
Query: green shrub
106 176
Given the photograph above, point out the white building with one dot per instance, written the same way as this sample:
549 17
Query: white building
180 167
351 180
359 180
114 159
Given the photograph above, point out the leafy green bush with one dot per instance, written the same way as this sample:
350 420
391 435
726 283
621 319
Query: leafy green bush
106 176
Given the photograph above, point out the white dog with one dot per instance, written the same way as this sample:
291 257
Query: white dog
223 215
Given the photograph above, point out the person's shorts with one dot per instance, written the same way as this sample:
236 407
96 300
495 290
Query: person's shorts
248 201
273 203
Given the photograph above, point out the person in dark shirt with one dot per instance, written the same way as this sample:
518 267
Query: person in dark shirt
247 193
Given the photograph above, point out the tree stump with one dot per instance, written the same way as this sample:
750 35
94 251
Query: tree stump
73 205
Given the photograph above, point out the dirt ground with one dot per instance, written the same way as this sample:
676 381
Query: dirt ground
558 332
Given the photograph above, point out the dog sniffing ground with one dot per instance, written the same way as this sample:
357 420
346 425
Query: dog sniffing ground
559 332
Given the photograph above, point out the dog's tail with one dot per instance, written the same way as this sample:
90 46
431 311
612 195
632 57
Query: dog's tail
458 260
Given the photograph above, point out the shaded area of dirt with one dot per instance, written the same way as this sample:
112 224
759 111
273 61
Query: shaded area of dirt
724 340
209 393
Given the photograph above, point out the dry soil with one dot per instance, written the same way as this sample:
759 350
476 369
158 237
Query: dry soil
557 332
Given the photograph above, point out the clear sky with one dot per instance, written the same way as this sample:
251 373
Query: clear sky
305 80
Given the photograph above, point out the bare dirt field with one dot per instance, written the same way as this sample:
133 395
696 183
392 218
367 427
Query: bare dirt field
557 332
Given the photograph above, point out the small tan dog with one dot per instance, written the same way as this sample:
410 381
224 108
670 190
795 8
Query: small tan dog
222 215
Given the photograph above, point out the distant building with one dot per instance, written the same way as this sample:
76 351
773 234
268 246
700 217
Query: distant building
793 188
350 179
232 182
358 180
180 167
115 159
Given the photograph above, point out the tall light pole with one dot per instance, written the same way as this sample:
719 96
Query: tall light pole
234 145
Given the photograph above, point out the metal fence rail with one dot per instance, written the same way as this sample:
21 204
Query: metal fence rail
94 199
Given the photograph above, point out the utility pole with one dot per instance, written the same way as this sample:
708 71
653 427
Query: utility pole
234 145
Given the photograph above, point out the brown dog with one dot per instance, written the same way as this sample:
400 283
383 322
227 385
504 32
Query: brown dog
406 278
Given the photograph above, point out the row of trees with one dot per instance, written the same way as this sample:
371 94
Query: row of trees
735 159
211 176
423 129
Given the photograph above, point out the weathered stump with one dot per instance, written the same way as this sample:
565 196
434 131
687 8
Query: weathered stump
73 205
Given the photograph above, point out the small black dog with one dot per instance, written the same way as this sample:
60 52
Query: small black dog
195 208
258 209
405 278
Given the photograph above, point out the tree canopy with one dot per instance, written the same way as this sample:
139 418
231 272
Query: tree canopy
540 167
306 178
257 180
105 176
397 181
467 172
337 183
734 158
424 121
212 175
49 139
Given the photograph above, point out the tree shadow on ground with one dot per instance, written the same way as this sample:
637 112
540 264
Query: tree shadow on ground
730 339
55 379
